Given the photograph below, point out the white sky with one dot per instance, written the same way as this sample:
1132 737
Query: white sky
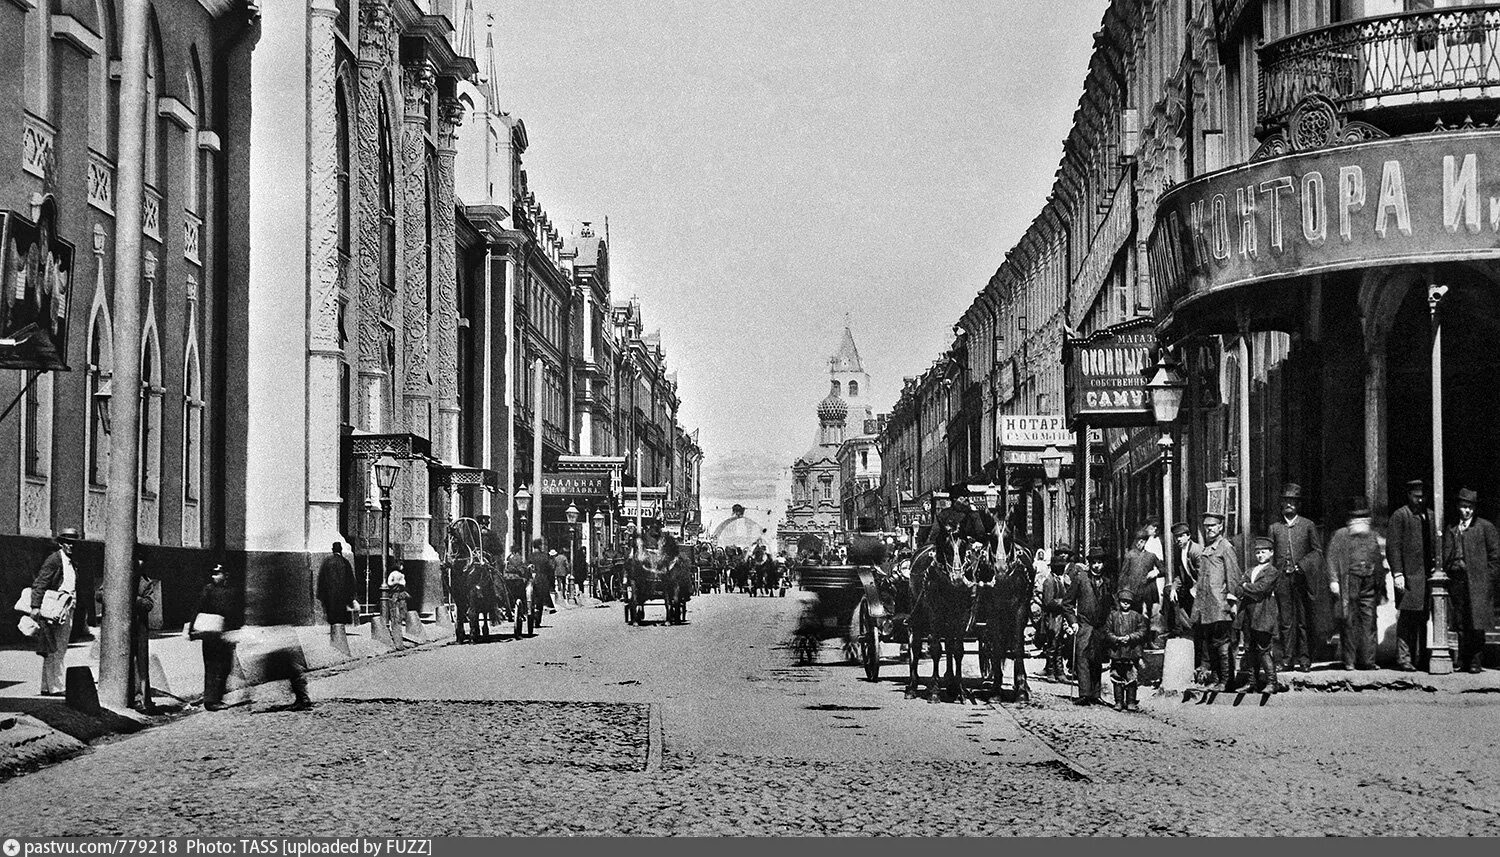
768 166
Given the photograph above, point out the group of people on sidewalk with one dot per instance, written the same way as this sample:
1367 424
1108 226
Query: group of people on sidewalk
1282 609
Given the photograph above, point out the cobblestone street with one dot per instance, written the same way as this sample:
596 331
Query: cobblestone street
594 727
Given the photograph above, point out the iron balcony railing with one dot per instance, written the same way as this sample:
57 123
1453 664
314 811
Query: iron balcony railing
1438 55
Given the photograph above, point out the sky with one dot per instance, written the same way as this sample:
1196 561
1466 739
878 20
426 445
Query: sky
770 168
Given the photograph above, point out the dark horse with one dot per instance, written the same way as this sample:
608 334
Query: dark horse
944 577
1002 608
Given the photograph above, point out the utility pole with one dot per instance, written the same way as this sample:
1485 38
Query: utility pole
123 492
536 449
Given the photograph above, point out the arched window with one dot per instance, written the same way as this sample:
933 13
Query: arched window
837 389
192 420
387 200
151 395
153 152
100 354
853 389
342 165
36 424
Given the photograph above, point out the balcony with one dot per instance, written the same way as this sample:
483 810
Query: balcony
1409 61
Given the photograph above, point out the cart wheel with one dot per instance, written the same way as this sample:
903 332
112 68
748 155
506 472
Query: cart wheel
869 644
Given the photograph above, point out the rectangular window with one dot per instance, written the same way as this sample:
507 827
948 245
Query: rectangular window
33 428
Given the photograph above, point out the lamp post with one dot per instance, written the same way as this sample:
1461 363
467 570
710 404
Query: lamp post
386 469
572 515
1166 387
523 510
1439 657
598 521
1052 469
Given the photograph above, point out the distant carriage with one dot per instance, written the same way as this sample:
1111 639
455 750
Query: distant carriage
483 592
650 584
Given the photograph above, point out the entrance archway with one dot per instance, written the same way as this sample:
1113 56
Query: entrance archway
1471 391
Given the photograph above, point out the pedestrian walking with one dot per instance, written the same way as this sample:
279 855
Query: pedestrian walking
1301 589
53 591
336 589
1411 543
542 579
1125 632
1356 562
219 612
1054 625
1088 606
562 569
1214 599
1259 617
1471 556
1140 573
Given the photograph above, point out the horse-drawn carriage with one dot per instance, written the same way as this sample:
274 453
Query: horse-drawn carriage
484 593
652 583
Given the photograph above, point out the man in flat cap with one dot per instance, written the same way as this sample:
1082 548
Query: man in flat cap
1054 631
1214 600
1356 562
1300 591
1471 555
1257 616
1411 543
1188 562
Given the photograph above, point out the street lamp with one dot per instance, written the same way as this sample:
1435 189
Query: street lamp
572 515
1166 387
594 543
1052 469
1439 656
523 509
992 497
386 470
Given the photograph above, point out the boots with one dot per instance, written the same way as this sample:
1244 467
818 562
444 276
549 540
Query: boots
1130 703
1119 698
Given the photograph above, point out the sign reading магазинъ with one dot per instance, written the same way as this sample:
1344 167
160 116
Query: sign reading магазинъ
1419 198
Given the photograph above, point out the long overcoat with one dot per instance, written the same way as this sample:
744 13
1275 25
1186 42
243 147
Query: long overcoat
1409 554
1218 577
1479 549
1299 545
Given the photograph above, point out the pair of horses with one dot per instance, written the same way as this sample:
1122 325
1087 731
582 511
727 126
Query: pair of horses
971 580
482 590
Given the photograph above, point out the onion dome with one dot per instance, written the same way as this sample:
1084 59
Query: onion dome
833 408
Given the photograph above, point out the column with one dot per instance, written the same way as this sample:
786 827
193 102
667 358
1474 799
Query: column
1375 438
445 445
324 352
374 307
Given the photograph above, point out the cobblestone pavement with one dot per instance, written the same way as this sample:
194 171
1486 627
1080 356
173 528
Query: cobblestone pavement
709 728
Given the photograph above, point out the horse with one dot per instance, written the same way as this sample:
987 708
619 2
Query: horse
944 577
470 579
1002 609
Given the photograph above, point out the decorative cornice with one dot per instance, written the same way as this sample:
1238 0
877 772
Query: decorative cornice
1315 123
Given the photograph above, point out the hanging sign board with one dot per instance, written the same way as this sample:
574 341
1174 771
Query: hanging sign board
576 484
36 287
1035 430
1107 374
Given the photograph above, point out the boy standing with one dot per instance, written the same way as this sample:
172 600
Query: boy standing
1126 635
1259 616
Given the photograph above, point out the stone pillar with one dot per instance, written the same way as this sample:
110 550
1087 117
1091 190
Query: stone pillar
324 351
374 305
420 559
1375 436
585 306
445 445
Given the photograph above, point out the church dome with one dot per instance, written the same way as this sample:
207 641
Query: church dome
833 408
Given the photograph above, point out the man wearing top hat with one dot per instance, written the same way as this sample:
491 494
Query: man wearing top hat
1300 589
1356 565
1471 556
1214 600
1411 541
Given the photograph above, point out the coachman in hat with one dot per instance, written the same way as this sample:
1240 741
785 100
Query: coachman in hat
1411 543
1356 561
1302 600
1471 556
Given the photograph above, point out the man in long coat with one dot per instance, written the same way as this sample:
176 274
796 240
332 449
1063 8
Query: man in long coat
1214 600
1471 555
1088 604
1411 540
1302 589
1258 616
1356 560
336 587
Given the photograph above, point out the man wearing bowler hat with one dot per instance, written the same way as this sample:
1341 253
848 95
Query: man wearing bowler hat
57 574
1356 562
1214 600
1298 552
1411 542
1471 556
1088 604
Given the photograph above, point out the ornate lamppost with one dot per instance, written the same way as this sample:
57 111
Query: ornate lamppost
1166 387
1439 656
572 515
1052 469
386 468
598 537
523 511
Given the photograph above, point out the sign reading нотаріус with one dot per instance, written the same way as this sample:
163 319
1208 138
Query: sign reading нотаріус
1418 198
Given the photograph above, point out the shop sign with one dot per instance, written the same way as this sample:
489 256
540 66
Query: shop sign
1033 457
1035 430
1107 374
36 287
649 508
1411 199
576 484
